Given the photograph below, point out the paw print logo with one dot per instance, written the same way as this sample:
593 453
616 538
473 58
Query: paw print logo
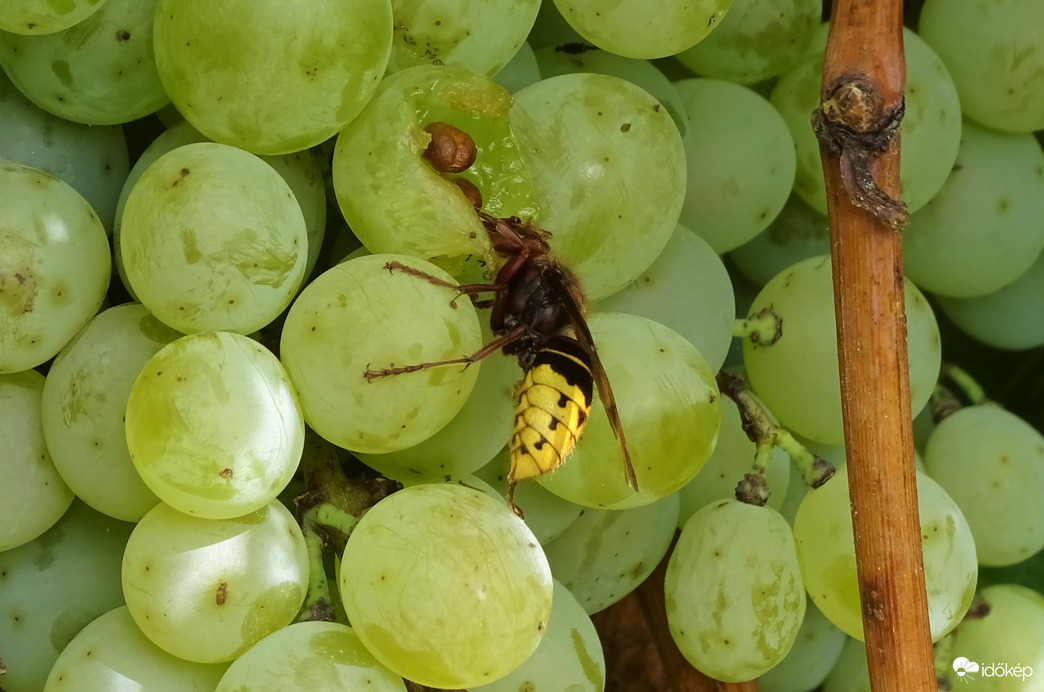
963 667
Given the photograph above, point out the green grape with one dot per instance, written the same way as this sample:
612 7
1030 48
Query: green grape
269 77
33 496
392 197
85 404
816 649
826 551
99 72
52 587
796 491
474 436
300 171
112 654
733 589
93 160
994 52
851 673
664 292
799 232
55 265
521 71
1007 318
991 462
631 29
313 656
1009 634
741 162
359 315
547 515
206 590
673 390
982 231
446 586
212 238
797 376
568 659
757 40
479 36
609 169
214 426
930 129
606 554
45 16
558 60
732 457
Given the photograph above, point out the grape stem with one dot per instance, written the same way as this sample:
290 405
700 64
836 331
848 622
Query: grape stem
327 511
763 328
973 392
766 434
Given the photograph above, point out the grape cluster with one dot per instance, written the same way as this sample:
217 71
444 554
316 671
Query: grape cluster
256 410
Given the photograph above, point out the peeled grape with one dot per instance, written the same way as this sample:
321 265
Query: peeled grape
734 594
213 425
480 36
994 52
359 315
756 40
33 495
606 554
446 586
569 657
392 197
56 265
826 551
313 656
740 158
44 16
85 405
799 232
816 649
632 30
272 77
984 228
687 267
1006 318
608 164
112 654
674 391
213 238
52 587
206 590
798 377
930 129
100 71
733 456
991 462
93 160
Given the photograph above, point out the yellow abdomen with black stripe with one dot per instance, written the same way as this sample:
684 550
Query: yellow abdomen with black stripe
553 403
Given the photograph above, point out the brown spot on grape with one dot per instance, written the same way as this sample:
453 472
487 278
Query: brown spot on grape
222 593
122 36
226 473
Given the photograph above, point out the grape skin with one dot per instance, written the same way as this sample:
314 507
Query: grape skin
733 589
446 586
